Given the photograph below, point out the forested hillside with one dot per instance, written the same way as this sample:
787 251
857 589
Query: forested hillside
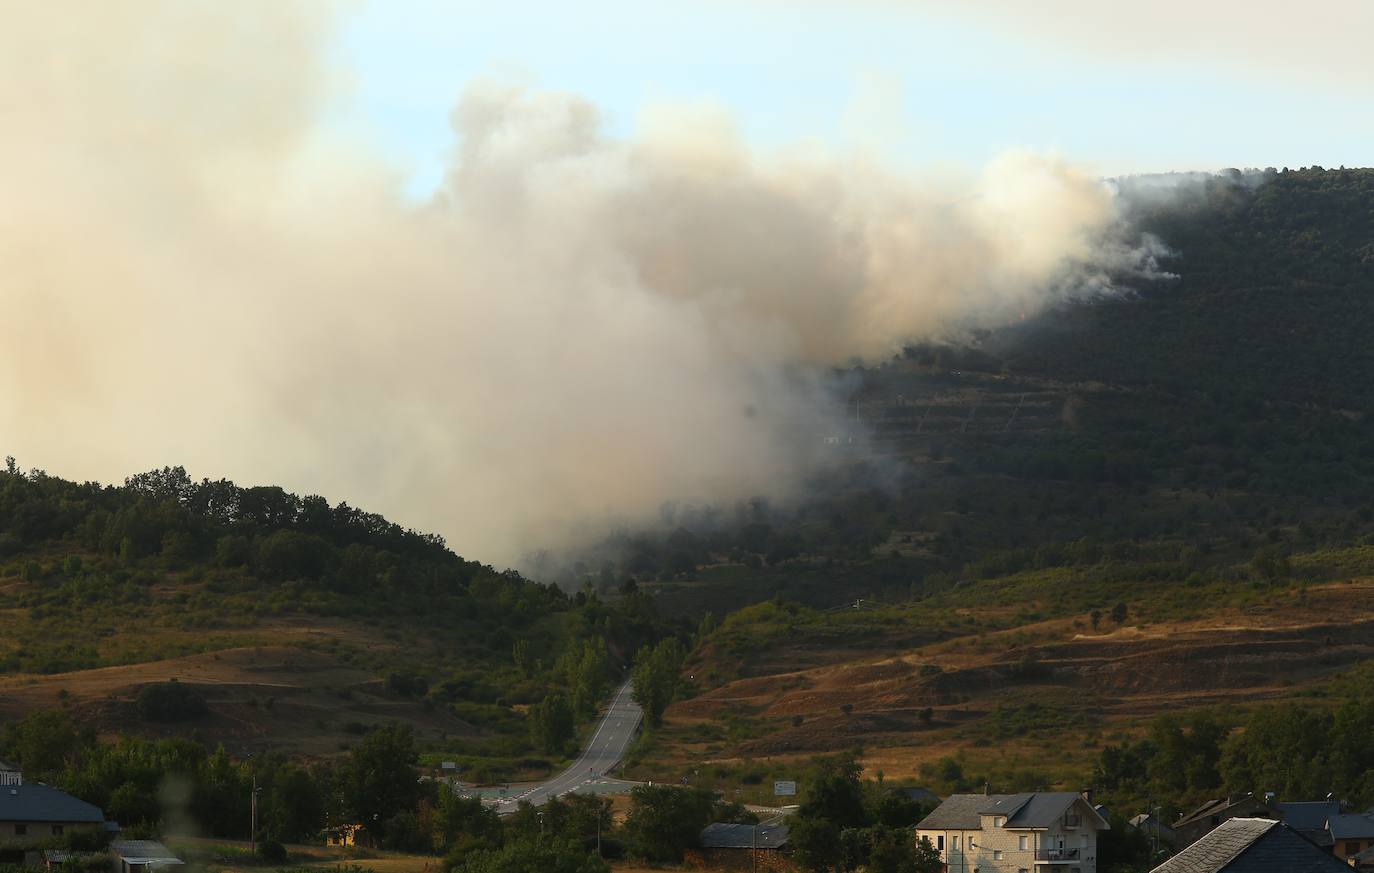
1153 503
289 623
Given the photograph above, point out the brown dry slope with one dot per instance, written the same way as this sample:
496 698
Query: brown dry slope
291 699
999 694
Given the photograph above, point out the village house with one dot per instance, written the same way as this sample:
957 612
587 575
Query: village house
1253 845
1309 818
143 856
1351 834
32 813
1194 825
742 847
1048 832
1150 825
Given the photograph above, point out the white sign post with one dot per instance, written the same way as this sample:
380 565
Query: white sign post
784 789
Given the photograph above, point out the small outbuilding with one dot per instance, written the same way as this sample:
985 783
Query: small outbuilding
143 856
724 846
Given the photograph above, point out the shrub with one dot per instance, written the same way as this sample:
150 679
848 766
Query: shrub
170 701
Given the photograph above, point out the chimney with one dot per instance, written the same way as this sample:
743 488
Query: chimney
1087 795
987 788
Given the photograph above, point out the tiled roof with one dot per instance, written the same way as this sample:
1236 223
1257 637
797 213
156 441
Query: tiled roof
34 801
742 836
1252 845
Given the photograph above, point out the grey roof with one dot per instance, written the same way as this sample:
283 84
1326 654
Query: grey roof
742 836
147 850
1367 856
1213 807
1147 820
1308 815
1040 809
1355 826
34 801
959 812
1253 845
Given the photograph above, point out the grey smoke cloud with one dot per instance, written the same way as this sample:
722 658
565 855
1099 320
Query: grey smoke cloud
576 329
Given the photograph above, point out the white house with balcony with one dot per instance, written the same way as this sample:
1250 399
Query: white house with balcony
1038 832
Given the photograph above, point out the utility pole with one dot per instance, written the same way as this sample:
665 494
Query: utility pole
755 853
253 827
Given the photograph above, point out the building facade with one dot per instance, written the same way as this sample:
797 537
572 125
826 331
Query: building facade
1044 832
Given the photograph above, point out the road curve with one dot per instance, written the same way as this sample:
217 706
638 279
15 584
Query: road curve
603 752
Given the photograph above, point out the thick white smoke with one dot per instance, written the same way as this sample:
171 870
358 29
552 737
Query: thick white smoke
577 329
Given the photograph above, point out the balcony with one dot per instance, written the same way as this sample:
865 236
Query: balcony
1055 856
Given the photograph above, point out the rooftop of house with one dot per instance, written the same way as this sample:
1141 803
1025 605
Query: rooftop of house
1214 807
36 802
1351 826
963 812
1253 845
1308 815
743 836
1147 818
143 851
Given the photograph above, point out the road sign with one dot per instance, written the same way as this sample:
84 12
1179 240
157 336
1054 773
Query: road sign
784 789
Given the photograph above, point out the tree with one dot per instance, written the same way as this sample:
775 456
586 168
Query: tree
665 819
551 723
464 824
378 780
1119 612
834 803
532 853
656 675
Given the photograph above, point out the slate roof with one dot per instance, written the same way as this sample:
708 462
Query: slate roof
1308 815
741 836
34 801
1253 845
1214 807
961 812
1355 826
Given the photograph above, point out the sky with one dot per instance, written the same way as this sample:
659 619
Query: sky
521 273
1123 89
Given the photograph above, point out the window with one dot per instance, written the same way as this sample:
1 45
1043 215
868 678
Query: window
57 830
1084 840
1001 821
940 842
996 854
955 843
20 830
1023 843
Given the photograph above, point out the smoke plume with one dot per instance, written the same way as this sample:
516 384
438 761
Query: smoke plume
194 269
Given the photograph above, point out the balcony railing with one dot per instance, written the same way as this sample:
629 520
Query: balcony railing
1056 855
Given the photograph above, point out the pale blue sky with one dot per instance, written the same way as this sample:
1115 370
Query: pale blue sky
966 86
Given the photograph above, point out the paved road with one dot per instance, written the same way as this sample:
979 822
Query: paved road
603 753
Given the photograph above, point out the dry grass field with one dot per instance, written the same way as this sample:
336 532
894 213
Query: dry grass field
1046 695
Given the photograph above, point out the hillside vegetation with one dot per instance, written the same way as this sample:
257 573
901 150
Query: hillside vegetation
1151 503
288 623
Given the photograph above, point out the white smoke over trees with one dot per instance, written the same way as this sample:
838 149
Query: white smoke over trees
578 328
